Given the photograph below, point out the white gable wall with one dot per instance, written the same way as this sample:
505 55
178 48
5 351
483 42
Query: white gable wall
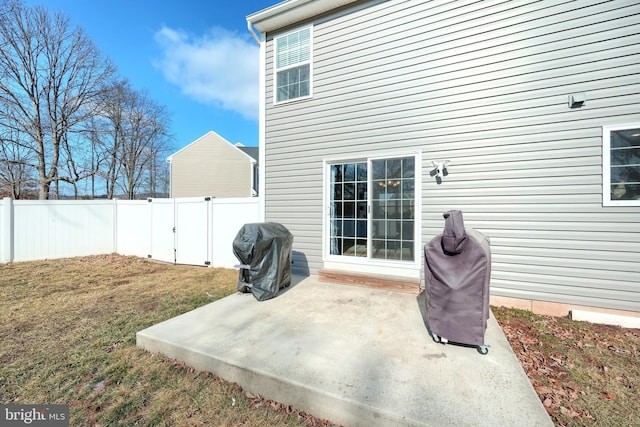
484 85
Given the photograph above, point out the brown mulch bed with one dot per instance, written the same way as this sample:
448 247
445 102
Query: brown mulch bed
584 373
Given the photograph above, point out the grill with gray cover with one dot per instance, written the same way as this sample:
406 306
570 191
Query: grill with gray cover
457 275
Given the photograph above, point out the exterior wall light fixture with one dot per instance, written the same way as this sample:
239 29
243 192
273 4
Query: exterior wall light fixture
439 169
577 100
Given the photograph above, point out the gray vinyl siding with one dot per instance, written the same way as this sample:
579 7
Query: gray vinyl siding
484 85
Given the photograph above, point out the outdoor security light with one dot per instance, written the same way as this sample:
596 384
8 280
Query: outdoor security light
577 100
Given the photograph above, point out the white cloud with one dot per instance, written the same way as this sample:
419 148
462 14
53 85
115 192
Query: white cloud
219 68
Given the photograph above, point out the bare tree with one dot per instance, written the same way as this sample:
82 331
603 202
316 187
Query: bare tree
51 74
146 136
158 178
16 180
131 131
74 162
97 132
107 132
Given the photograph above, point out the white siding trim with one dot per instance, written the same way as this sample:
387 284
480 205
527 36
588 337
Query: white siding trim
262 97
374 268
606 165
364 264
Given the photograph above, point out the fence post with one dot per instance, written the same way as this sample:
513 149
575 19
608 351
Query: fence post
210 221
115 225
6 231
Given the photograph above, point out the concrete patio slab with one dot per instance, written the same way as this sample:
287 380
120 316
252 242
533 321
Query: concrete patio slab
353 355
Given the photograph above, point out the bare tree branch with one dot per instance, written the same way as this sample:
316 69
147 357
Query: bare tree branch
51 76
135 133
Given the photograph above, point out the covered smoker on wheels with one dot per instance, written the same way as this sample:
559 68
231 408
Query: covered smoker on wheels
264 251
457 275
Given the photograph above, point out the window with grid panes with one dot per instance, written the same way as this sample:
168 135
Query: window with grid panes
293 65
348 211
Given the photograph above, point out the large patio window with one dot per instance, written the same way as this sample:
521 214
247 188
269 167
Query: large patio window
372 209
393 208
621 165
348 217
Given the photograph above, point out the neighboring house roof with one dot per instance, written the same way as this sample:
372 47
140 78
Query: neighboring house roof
239 147
251 151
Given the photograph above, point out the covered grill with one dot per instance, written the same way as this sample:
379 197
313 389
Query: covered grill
457 275
264 251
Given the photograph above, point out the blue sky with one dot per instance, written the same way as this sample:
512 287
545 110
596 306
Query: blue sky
194 57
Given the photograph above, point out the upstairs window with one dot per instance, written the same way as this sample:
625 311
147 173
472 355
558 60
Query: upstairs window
293 65
621 165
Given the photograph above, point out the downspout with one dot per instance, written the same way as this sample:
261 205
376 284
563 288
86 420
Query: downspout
253 34
168 160
254 171
7 244
261 123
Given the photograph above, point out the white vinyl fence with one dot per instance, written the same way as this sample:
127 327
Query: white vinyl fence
194 230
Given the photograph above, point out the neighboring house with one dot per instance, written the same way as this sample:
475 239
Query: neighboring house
533 109
212 166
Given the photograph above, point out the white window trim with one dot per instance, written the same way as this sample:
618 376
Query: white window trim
274 80
364 264
606 165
